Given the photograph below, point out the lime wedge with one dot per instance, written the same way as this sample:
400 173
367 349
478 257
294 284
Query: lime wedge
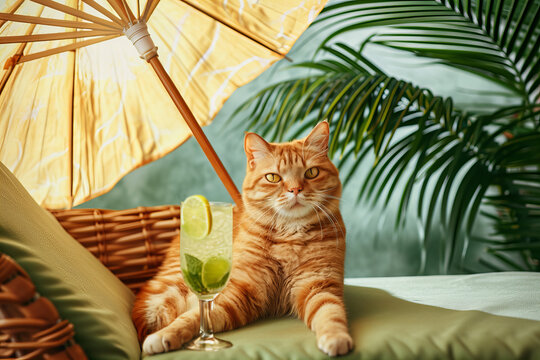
215 272
196 217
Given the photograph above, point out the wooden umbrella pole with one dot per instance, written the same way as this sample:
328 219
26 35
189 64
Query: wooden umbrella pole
196 130
138 34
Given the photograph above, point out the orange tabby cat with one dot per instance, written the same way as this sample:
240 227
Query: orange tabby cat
288 253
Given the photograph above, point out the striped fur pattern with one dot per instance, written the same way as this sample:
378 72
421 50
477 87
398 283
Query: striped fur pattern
288 253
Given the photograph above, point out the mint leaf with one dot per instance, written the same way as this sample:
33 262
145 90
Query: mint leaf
192 274
194 265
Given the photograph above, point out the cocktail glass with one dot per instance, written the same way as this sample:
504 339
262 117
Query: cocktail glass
206 266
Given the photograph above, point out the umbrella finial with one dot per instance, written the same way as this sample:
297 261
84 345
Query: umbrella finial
139 36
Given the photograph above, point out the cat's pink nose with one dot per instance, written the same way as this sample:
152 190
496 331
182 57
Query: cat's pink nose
295 190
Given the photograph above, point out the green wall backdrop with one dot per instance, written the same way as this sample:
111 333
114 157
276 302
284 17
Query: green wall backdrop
374 247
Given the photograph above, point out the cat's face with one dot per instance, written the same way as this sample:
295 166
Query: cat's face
291 181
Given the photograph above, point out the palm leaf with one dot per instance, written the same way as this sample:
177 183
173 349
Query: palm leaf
416 136
496 39
518 205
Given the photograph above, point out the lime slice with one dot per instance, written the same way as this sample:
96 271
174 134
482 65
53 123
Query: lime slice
215 272
196 217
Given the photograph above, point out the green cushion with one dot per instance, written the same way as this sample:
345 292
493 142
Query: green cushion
82 289
385 327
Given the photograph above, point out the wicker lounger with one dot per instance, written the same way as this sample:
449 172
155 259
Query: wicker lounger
131 243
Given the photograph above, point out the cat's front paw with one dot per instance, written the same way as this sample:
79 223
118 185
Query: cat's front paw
160 342
335 344
153 344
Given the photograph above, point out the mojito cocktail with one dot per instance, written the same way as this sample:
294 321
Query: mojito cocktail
205 258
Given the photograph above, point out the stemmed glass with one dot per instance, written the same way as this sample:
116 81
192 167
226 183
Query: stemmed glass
205 258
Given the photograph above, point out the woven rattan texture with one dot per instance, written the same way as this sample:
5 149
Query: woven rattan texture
131 243
30 327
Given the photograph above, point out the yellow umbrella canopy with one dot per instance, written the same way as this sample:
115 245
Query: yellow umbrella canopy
79 109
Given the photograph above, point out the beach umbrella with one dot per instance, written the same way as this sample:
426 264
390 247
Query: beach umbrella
79 109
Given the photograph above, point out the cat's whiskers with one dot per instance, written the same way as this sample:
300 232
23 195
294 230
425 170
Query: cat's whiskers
326 198
334 218
282 200
312 198
326 190
332 221
318 217
278 223
270 208
316 197
275 220
329 197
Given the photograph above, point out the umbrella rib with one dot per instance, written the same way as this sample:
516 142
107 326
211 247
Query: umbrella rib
11 10
78 13
74 4
54 36
149 9
60 49
123 13
128 12
230 26
105 12
51 22
11 61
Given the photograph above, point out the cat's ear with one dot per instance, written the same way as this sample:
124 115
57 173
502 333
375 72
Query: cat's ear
255 147
318 137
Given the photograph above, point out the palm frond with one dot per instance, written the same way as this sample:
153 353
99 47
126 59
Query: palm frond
420 140
435 143
496 39
518 204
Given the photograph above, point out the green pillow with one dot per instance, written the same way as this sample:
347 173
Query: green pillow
385 327
83 290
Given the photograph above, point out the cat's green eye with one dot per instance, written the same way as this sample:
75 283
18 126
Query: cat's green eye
312 173
273 178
